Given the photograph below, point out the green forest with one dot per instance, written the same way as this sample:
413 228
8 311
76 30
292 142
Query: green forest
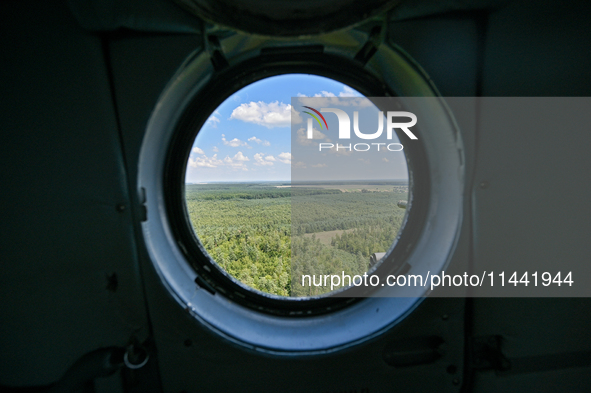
263 234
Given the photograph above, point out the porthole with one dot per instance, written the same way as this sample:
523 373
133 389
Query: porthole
195 218
245 314
238 192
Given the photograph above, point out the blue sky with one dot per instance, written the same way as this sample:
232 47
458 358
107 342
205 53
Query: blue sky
248 137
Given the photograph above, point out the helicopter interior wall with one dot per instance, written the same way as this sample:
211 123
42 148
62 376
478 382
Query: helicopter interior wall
63 177
75 106
535 50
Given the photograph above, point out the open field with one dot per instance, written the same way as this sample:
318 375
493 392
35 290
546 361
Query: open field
327 236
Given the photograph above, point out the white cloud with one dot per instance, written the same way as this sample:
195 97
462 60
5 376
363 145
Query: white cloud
270 158
296 118
302 137
318 165
299 164
259 141
197 150
234 142
260 160
215 149
274 114
236 162
240 157
213 121
324 94
205 161
348 92
285 158
328 99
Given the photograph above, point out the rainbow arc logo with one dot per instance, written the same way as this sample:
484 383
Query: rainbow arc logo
315 117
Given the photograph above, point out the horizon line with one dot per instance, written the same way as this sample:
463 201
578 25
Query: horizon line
296 181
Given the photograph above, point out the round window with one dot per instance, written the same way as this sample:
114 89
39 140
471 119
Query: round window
279 225
253 197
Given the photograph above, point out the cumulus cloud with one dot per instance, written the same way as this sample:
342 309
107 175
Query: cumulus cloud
259 141
240 157
207 162
348 92
329 99
332 102
324 94
260 160
270 158
302 137
215 149
318 165
299 164
213 121
296 118
197 150
237 162
234 142
274 114
284 158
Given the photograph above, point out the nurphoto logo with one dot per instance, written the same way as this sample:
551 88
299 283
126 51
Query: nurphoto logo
344 131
